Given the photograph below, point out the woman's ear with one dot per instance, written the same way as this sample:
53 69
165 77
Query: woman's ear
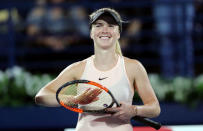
91 34
119 35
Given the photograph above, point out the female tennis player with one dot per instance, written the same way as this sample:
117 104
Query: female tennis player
122 75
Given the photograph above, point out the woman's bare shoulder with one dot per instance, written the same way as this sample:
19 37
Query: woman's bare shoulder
77 65
134 67
75 69
132 62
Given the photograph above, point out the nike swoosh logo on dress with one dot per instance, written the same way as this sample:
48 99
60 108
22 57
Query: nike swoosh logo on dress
102 78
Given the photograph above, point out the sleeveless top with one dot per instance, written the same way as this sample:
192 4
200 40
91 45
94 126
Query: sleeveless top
117 82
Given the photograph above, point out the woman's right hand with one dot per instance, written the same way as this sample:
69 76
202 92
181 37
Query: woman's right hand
88 96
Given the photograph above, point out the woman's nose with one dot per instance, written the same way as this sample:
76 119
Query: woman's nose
105 29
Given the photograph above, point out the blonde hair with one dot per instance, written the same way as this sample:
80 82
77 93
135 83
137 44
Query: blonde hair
118 48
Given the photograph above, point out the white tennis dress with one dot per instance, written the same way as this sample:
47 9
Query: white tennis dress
117 82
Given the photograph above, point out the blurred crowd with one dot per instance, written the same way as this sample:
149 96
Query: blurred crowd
58 24
53 24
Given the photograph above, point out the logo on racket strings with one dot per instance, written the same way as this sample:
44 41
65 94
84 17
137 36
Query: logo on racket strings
105 105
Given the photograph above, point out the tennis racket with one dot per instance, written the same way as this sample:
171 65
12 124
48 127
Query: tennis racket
88 96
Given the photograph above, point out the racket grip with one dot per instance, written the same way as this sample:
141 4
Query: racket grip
148 122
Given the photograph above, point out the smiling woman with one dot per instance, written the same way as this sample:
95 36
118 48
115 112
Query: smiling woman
111 19
121 75
105 32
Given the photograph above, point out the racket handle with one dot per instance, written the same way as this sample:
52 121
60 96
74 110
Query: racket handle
148 122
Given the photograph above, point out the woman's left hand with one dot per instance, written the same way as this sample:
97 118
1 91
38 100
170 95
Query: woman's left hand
125 112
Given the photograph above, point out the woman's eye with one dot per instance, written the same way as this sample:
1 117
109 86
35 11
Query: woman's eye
98 25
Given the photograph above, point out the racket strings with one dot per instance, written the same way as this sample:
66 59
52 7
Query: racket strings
69 93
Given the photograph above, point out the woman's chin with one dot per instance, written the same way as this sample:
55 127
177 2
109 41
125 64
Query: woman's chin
105 45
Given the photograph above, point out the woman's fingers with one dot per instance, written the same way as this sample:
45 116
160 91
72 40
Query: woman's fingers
113 110
89 95
94 93
86 91
95 99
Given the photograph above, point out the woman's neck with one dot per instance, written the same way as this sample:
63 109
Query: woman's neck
105 60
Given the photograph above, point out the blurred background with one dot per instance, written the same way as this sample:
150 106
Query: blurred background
39 38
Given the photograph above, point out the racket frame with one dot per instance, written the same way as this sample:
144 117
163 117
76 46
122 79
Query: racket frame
82 110
146 121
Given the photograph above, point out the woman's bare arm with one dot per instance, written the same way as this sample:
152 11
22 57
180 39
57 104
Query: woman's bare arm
142 84
47 95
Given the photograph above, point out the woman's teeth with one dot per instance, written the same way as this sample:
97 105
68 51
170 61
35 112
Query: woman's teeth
104 37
